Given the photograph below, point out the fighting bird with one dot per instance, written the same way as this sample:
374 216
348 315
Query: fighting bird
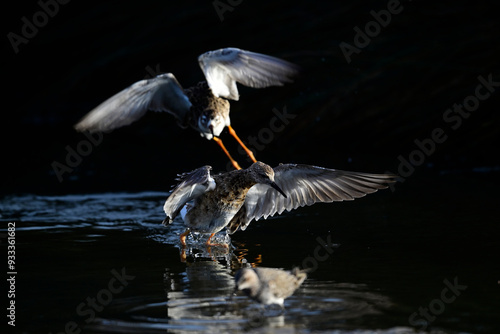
204 107
208 204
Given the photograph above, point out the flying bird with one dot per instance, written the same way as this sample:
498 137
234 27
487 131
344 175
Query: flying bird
208 204
269 285
204 107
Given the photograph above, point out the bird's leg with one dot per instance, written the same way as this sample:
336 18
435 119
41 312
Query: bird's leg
183 243
233 133
208 243
183 255
183 238
219 141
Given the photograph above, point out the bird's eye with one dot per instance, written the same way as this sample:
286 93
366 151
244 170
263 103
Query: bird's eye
204 120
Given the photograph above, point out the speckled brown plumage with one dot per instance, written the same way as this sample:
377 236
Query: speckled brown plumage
208 204
213 210
204 102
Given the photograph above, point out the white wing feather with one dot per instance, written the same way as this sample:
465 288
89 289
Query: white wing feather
192 185
306 185
162 93
224 67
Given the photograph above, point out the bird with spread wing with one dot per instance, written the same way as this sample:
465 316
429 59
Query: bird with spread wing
208 204
204 107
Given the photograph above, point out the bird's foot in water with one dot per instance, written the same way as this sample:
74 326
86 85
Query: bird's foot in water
210 244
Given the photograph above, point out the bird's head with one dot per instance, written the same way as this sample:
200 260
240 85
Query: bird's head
246 280
265 174
211 123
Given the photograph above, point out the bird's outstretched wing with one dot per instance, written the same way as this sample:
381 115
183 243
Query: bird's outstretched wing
224 67
192 185
161 93
306 185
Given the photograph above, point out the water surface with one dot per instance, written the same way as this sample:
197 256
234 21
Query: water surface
391 254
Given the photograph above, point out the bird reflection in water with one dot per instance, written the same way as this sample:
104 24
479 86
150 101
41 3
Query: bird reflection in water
208 284
235 253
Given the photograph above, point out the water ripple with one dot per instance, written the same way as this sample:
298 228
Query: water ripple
103 210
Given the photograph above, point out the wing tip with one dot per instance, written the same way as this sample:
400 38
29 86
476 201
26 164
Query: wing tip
167 221
82 126
79 127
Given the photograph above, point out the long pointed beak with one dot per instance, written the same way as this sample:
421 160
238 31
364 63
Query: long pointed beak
275 186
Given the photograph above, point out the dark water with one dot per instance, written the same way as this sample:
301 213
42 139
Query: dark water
391 253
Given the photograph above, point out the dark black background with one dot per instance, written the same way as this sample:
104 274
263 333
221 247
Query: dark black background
358 116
